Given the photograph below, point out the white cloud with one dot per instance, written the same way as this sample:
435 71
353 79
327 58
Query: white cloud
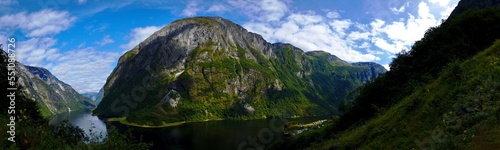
442 3
398 35
423 11
37 51
262 10
86 70
356 35
137 35
376 25
309 31
333 15
400 9
38 24
274 8
343 37
191 9
106 40
383 44
305 18
373 52
218 8
446 13
341 26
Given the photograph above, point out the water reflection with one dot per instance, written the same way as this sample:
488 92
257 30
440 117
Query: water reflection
83 119
224 134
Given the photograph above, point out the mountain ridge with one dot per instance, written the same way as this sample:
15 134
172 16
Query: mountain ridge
210 68
53 95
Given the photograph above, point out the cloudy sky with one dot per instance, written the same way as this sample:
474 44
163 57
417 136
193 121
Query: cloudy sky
80 41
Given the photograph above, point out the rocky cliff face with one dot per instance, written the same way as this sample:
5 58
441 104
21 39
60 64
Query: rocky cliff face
210 68
54 95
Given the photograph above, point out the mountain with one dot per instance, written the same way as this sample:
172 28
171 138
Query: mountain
95 96
442 94
210 68
91 95
53 95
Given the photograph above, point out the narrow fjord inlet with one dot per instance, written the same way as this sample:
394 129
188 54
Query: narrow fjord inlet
250 74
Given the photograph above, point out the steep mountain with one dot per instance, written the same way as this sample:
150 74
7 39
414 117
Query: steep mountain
53 95
210 68
442 94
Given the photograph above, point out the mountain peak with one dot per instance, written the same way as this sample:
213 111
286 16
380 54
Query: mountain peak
225 71
171 45
198 30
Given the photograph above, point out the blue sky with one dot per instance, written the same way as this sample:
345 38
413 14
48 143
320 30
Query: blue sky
80 41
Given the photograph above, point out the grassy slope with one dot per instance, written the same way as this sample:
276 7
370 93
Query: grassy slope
461 109
459 38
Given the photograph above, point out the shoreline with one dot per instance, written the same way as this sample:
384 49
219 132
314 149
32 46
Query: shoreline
123 120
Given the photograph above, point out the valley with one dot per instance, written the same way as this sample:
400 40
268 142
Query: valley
270 74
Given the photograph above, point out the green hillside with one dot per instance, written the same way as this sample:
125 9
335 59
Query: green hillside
222 71
442 94
461 109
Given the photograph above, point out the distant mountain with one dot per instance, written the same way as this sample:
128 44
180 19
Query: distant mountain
91 95
374 71
210 68
55 96
95 96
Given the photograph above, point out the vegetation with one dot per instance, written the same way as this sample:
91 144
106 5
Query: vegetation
443 94
458 110
52 100
32 130
222 83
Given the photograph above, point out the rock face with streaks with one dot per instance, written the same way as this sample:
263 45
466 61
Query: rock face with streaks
210 68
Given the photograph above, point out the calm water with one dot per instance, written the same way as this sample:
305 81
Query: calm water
83 119
226 134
